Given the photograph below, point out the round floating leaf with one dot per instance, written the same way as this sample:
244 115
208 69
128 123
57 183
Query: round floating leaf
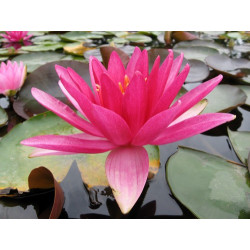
197 52
76 48
209 186
224 98
203 43
3 117
3 58
46 38
246 90
93 52
241 144
46 79
136 38
238 68
198 71
36 59
79 36
8 51
238 35
243 48
44 47
182 36
15 165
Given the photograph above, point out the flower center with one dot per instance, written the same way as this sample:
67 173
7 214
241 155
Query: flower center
125 84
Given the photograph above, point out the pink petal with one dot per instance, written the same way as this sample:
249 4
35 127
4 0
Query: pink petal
111 125
111 94
64 112
195 95
175 69
127 171
171 91
135 103
164 72
83 86
191 127
154 126
116 69
69 143
195 110
132 62
142 64
46 152
96 69
152 84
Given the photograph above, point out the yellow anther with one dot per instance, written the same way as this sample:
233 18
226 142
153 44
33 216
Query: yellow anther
98 87
121 88
126 81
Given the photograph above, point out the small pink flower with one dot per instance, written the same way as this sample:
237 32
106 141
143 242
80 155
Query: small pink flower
16 36
129 108
12 77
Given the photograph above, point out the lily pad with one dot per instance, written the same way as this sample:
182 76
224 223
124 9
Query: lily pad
79 36
3 58
198 71
243 48
197 52
219 101
203 43
93 52
46 79
3 117
44 47
77 48
136 38
241 144
246 90
237 68
36 59
46 38
209 186
16 166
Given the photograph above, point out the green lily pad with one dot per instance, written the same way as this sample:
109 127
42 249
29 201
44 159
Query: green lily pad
203 43
3 58
79 36
3 117
44 47
209 186
198 71
237 68
238 35
15 165
241 144
243 48
7 52
36 59
197 52
46 79
219 101
246 90
46 38
136 38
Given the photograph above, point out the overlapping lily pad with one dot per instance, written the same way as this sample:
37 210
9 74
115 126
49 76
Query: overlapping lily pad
44 47
209 186
46 79
36 59
197 52
3 117
246 90
137 38
15 165
241 144
225 98
80 36
203 43
198 71
237 68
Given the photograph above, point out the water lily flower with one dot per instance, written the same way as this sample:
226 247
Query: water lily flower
12 77
128 108
16 36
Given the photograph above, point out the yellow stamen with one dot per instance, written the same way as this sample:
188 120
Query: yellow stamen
98 87
126 81
121 88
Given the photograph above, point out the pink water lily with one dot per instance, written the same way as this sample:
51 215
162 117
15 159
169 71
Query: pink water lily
129 108
16 36
12 77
